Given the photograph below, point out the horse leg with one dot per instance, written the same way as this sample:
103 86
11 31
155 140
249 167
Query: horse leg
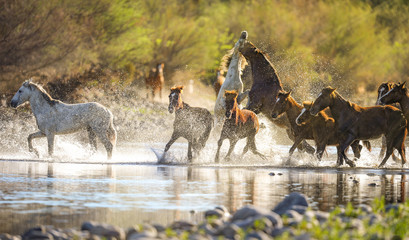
103 136
173 138
189 151
30 138
383 148
320 150
402 153
92 139
252 142
356 148
389 151
344 146
297 142
339 156
50 139
231 148
219 145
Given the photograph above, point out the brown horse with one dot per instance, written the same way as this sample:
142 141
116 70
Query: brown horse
239 124
382 90
192 123
363 123
155 80
326 135
266 85
218 82
325 131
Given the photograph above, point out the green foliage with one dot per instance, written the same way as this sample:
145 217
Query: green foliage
353 45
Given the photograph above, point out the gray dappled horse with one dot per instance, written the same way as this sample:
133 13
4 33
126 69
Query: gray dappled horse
55 117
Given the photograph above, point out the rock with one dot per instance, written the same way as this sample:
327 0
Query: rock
229 231
293 217
7 236
159 228
182 225
365 208
37 233
272 174
250 211
279 231
321 216
294 199
390 207
372 185
214 213
257 235
104 230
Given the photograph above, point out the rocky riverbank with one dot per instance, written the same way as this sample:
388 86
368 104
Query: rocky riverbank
290 219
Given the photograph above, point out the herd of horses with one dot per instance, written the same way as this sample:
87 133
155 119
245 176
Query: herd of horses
328 120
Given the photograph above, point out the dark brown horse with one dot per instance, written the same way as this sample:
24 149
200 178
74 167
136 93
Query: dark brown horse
192 123
363 123
382 90
324 135
325 131
155 80
266 85
239 124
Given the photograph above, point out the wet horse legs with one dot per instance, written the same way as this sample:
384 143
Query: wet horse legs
30 138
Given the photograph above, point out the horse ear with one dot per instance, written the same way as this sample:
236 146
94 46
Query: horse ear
403 84
333 89
289 92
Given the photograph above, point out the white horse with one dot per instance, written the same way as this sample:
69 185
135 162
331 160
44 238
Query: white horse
55 117
232 82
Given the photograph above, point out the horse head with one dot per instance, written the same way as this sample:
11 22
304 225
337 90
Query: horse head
280 105
230 101
175 98
383 89
22 95
304 116
394 95
324 99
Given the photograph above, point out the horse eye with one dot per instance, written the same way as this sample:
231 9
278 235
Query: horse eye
20 91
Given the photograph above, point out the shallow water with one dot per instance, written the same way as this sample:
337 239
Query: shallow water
131 189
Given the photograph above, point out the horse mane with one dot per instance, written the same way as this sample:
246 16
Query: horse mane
43 93
226 59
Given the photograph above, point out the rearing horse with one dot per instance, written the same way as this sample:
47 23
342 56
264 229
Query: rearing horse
155 80
266 85
236 63
55 117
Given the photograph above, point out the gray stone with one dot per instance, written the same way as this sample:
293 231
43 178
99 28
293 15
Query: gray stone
250 211
390 207
279 231
229 231
7 236
37 233
294 199
365 208
259 235
182 225
104 230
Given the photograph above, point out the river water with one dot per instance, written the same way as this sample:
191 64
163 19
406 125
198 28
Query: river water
134 189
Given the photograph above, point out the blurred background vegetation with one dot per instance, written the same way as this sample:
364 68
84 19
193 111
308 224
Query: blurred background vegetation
353 44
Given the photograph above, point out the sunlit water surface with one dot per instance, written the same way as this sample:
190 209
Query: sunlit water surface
75 186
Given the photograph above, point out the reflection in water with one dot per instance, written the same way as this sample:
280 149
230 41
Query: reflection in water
65 194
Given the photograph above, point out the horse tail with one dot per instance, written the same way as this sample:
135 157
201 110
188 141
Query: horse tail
367 144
